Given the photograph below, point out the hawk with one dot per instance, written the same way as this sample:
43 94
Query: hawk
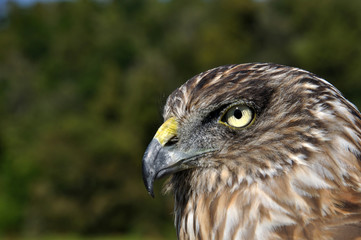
259 151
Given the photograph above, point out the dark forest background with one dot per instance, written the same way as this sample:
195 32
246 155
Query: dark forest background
82 84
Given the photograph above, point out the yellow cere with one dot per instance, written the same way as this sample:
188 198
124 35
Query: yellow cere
239 116
167 131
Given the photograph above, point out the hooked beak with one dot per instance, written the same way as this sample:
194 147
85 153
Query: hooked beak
160 160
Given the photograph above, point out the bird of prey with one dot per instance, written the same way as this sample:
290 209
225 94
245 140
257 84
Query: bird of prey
259 151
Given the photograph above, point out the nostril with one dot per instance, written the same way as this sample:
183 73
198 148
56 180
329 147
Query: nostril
172 141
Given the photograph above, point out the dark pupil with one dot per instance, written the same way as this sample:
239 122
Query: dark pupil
237 113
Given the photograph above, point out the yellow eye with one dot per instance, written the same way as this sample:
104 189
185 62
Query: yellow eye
238 116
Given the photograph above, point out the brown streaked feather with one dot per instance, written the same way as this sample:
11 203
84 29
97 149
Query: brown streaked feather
294 174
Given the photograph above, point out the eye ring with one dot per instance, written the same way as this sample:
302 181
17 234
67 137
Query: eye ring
238 116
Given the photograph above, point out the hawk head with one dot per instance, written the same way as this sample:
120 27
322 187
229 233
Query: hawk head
259 151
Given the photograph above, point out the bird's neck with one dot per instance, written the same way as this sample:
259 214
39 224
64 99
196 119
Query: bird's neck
268 209
229 214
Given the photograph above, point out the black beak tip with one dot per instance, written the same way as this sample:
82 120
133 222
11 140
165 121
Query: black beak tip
150 165
151 192
148 180
148 183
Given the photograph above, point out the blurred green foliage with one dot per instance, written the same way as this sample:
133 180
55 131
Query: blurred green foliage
82 85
